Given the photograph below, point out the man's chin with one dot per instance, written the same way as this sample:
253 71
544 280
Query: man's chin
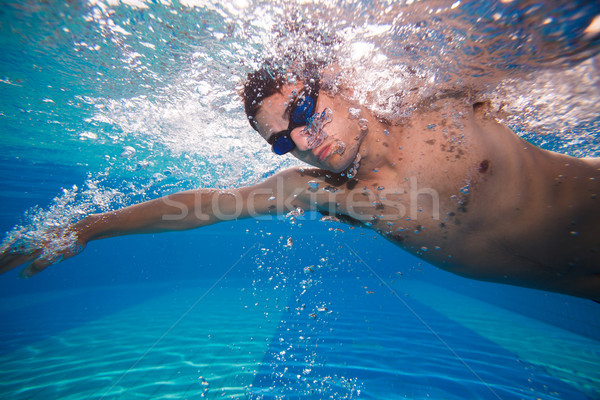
336 166
327 167
337 170
334 163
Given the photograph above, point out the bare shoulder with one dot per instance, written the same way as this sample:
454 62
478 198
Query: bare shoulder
301 177
594 162
313 188
303 186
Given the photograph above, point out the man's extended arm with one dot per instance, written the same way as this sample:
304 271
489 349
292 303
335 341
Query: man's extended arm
180 211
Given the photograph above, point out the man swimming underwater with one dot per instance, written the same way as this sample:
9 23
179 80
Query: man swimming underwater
448 183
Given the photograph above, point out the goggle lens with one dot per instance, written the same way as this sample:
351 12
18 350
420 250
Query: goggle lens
303 111
283 144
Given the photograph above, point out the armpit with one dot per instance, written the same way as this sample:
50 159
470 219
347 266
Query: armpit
343 218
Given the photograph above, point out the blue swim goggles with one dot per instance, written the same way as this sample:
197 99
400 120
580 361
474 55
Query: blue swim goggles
301 111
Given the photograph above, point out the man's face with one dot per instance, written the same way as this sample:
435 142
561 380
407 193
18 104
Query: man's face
341 136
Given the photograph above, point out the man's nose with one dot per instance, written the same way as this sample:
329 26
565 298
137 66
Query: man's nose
300 138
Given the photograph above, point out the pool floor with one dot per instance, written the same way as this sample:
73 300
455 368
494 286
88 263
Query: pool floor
237 340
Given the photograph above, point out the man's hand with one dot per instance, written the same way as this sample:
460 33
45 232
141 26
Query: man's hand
55 245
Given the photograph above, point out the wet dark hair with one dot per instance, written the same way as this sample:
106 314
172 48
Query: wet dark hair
260 84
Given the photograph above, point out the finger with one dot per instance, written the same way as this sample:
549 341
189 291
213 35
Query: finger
7 261
37 266
11 261
9 255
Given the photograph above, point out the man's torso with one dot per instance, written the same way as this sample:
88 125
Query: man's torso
464 193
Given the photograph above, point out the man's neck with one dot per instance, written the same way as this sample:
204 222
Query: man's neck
376 149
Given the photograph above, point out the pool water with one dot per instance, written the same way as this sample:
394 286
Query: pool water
108 103
255 319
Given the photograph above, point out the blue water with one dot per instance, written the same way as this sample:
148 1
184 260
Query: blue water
230 311
108 324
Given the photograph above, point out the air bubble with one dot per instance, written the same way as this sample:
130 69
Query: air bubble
364 124
128 152
314 131
354 113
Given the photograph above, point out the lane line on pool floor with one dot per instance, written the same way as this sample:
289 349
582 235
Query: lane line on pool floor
181 318
565 355
395 294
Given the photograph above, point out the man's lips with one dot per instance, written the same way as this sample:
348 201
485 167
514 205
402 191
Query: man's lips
322 152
